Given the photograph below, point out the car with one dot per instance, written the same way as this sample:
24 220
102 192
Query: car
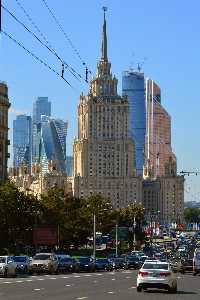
196 262
59 256
142 260
22 263
119 263
44 263
156 274
133 262
86 264
68 264
7 266
186 265
111 244
103 264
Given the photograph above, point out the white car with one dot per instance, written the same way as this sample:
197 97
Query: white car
156 274
7 266
22 263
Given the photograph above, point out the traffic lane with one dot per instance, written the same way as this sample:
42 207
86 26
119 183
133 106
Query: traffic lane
100 285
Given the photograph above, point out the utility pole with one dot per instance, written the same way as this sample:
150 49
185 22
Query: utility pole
94 236
117 235
134 231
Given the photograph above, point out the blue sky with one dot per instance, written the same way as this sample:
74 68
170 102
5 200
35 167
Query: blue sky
166 32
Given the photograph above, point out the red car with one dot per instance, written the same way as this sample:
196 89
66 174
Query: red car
111 244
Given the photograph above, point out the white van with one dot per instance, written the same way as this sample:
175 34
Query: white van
196 262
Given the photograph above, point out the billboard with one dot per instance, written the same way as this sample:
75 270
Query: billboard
46 235
121 232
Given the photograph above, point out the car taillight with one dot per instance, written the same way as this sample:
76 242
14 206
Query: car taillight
193 263
165 274
142 273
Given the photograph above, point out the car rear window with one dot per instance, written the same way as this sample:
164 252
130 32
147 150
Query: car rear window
197 255
155 266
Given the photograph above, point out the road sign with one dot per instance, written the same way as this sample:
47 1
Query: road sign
134 243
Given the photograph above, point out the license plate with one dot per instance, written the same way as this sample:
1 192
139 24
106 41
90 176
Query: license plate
62 268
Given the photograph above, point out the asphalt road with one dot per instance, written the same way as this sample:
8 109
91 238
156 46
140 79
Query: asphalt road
116 285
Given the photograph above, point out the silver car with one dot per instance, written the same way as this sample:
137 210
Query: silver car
7 266
44 263
156 274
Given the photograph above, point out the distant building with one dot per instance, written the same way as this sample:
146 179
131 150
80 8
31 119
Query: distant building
53 142
22 140
69 163
41 106
133 85
4 142
158 131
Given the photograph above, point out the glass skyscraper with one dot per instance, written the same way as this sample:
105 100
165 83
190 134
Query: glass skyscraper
133 85
53 142
22 139
41 106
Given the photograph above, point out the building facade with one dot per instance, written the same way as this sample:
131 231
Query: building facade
4 142
133 85
103 153
41 106
53 142
22 139
158 131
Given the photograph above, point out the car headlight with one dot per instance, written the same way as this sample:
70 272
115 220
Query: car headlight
47 264
1 267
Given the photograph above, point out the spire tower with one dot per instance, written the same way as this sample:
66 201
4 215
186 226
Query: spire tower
104 38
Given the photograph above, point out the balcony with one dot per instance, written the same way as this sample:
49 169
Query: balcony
7 142
7 155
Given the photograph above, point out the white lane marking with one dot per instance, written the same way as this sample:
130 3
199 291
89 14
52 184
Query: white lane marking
37 289
41 279
18 281
53 278
29 280
7 282
127 277
65 277
110 292
95 281
112 279
68 285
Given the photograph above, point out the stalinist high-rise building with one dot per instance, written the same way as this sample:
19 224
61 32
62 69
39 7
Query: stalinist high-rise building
103 161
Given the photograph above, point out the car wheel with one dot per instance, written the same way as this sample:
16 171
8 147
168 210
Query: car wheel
5 274
194 273
145 289
57 271
139 289
50 271
88 270
30 273
15 275
93 270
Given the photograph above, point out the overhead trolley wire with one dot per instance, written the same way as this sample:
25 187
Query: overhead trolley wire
40 61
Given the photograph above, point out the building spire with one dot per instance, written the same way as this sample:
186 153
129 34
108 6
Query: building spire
104 37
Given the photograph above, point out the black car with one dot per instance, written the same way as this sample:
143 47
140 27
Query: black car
86 264
119 263
68 264
133 262
186 265
103 264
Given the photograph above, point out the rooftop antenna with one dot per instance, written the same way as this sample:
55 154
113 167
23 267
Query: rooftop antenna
131 64
140 65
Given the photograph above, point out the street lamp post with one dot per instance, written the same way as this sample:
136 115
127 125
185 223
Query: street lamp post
94 236
36 225
116 249
134 224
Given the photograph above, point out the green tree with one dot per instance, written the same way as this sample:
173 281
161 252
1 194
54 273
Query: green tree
17 217
192 215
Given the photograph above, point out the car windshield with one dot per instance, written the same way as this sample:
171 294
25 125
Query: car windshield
102 260
19 258
133 259
118 259
42 257
2 260
155 266
84 260
65 259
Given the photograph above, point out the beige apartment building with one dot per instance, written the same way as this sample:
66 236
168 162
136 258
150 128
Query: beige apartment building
4 142
103 152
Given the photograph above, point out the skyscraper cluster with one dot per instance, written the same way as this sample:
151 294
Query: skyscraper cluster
41 136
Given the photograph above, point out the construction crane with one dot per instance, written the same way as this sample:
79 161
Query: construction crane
140 65
131 64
